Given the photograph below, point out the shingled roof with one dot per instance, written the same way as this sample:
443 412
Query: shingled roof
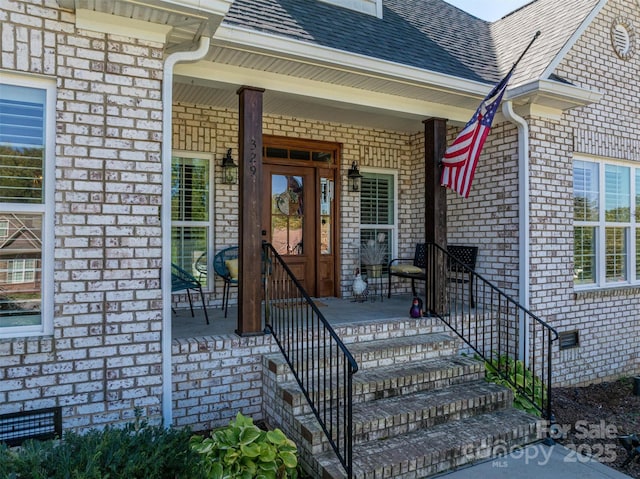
427 34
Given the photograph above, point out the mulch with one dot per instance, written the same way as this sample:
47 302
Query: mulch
589 419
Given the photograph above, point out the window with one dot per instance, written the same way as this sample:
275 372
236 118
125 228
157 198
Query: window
377 215
606 228
191 213
27 106
21 271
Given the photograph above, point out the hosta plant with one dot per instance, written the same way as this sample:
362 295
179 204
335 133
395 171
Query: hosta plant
244 451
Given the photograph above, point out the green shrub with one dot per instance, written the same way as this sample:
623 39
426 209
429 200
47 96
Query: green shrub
244 451
137 451
495 371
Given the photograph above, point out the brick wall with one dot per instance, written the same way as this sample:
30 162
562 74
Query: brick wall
103 360
608 320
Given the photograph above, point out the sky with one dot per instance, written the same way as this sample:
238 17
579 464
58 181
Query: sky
488 9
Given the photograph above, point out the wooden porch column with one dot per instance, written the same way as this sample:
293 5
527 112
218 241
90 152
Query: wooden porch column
435 208
250 239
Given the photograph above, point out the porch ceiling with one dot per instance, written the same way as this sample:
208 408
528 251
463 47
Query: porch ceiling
311 89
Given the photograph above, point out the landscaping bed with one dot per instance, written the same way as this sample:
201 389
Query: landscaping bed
590 418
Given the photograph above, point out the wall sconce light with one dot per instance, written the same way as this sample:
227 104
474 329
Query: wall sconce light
354 177
229 170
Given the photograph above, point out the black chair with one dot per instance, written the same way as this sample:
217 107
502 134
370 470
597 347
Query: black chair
225 265
461 270
410 268
183 281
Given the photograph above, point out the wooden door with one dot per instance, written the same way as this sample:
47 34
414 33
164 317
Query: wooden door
288 218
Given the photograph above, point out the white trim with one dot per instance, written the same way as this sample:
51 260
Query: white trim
572 40
209 7
367 100
165 219
369 7
117 25
245 39
560 96
47 209
210 225
395 226
600 279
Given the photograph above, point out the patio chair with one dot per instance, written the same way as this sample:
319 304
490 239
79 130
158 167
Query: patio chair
225 265
184 281
201 266
461 271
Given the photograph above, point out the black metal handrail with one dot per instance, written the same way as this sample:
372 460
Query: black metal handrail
320 362
514 342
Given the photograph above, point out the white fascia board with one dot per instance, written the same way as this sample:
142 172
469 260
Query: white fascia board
314 89
244 39
207 7
116 25
551 68
551 96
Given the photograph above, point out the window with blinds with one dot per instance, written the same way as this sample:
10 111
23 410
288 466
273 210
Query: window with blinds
377 217
606 228
191 213
24 126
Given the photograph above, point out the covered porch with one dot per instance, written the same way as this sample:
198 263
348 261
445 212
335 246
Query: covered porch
338 311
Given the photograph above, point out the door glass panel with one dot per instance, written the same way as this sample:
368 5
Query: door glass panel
277 153
299 155
325 156
326 197
287 217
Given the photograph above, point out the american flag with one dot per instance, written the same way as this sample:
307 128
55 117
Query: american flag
461 158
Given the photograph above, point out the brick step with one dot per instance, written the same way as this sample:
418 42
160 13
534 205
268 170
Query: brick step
390 381
389 328
375 353
392 416
436 449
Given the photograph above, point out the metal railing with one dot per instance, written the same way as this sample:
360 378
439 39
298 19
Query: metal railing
514 342
320 362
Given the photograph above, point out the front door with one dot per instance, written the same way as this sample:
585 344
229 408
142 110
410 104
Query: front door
298 213
289 220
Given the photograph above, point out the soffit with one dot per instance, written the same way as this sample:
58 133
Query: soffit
188 19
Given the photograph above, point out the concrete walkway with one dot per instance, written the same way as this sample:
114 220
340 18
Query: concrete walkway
538 461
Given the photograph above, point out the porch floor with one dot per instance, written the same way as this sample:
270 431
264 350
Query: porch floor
337 311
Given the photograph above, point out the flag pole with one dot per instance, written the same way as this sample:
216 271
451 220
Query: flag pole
535 37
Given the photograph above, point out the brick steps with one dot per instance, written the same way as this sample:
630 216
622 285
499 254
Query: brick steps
425 452
394 380
418 409
391 416
375 353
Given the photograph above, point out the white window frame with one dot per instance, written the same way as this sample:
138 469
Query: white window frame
4 228
393 228
600 225
208 224
46 208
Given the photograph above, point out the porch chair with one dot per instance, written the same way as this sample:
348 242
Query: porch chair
461 271
225 265
181 280
409 268
201 265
